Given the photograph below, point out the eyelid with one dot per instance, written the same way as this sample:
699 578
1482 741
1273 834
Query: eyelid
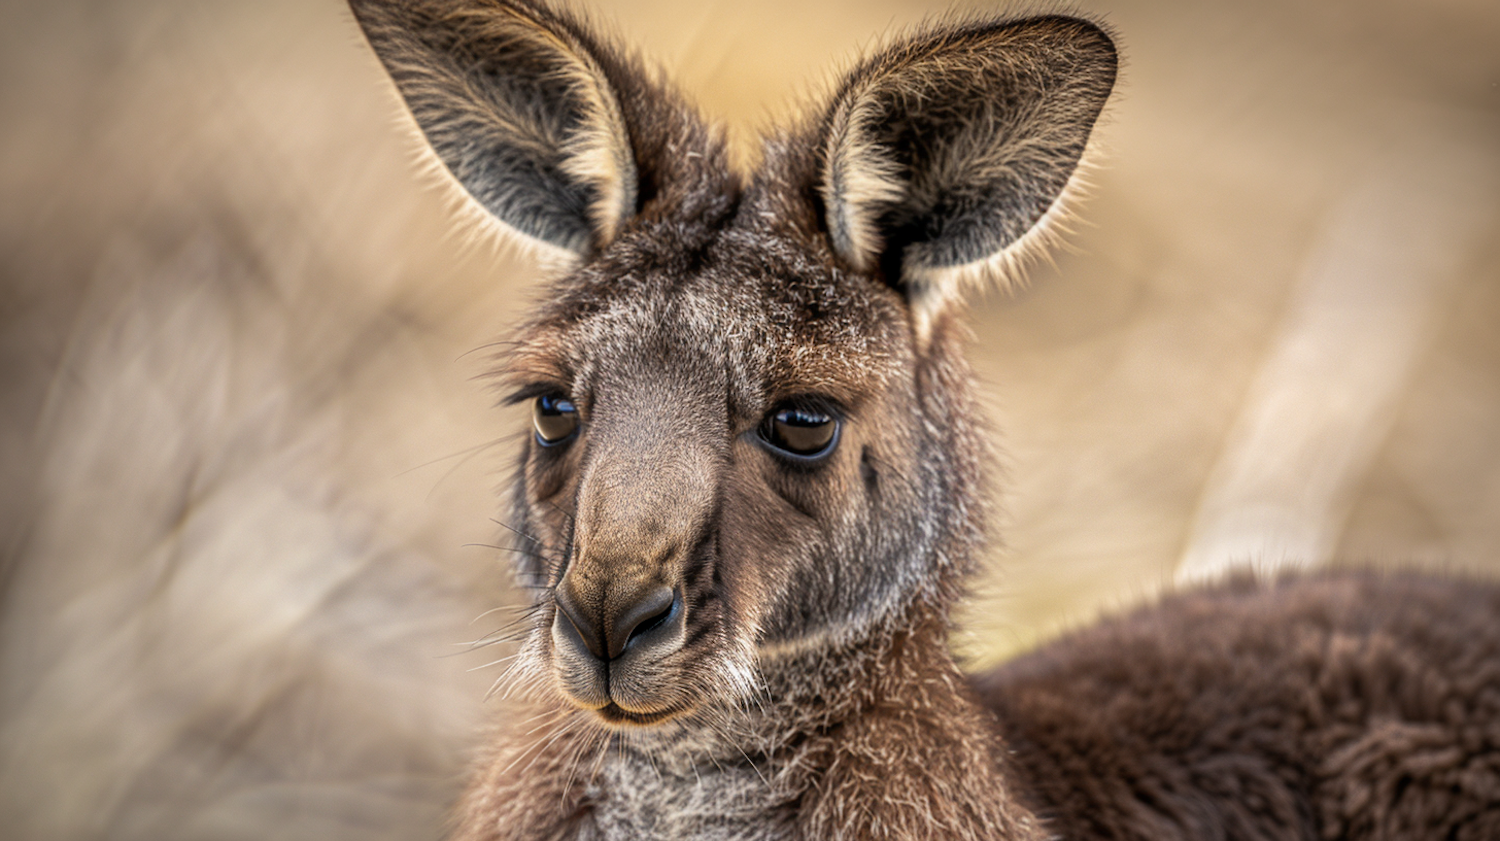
809 403
804 400
532 391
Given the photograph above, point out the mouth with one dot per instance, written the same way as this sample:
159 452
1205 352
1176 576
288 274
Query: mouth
613 713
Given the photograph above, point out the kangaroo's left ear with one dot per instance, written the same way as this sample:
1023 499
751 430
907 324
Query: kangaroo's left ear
942 153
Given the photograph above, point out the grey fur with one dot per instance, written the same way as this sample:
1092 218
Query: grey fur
805 689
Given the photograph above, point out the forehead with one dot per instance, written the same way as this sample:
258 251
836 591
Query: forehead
754 315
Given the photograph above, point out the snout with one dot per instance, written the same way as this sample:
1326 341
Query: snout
633 583
611 644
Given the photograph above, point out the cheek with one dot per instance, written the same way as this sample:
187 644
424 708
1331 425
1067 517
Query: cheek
885 466
548 473
767 542
550 484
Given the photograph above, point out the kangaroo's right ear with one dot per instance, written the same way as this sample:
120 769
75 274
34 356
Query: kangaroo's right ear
518 105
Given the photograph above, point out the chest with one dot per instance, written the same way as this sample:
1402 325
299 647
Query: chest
633 799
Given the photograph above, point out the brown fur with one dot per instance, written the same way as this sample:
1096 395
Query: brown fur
733 642
1343 706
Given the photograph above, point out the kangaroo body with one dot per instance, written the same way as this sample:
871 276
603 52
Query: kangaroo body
1354 705
1335 706
755 486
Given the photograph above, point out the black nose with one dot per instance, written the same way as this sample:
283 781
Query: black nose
627 618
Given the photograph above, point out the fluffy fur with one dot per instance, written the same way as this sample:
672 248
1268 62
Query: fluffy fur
1338 706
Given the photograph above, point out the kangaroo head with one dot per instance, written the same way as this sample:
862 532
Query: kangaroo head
753 430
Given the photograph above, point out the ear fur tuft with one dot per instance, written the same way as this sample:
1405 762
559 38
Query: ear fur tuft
946 157
860 179
515 104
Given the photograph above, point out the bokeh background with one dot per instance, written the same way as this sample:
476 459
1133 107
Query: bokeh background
248 465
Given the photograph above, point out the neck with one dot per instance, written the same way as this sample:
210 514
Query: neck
834 677
880 721
872 735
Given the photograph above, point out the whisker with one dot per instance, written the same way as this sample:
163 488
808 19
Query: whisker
494 662
467 451
504 439
535 749
593 738
486 613
516 635
486 346
504 525
559 509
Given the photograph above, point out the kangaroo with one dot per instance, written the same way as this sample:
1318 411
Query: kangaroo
755 484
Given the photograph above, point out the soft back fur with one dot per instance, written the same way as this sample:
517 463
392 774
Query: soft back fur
734 637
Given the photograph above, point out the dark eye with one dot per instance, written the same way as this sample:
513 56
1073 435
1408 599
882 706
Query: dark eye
555 419
801 431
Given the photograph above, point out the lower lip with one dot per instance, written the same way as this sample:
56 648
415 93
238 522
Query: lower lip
615 714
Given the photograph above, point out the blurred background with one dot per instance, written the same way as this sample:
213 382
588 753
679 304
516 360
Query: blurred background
247 464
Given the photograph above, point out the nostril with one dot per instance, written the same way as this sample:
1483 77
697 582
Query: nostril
578 621
658 607
651 623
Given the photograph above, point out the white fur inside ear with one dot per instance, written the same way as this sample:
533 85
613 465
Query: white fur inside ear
932 290
600 154
859 182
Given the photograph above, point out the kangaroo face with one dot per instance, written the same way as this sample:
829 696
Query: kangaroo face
734 436
752 425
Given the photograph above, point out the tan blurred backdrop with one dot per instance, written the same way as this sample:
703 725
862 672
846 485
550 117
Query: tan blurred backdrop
246 460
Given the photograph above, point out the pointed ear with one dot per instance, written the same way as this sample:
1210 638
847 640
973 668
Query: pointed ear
941 154
515 100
